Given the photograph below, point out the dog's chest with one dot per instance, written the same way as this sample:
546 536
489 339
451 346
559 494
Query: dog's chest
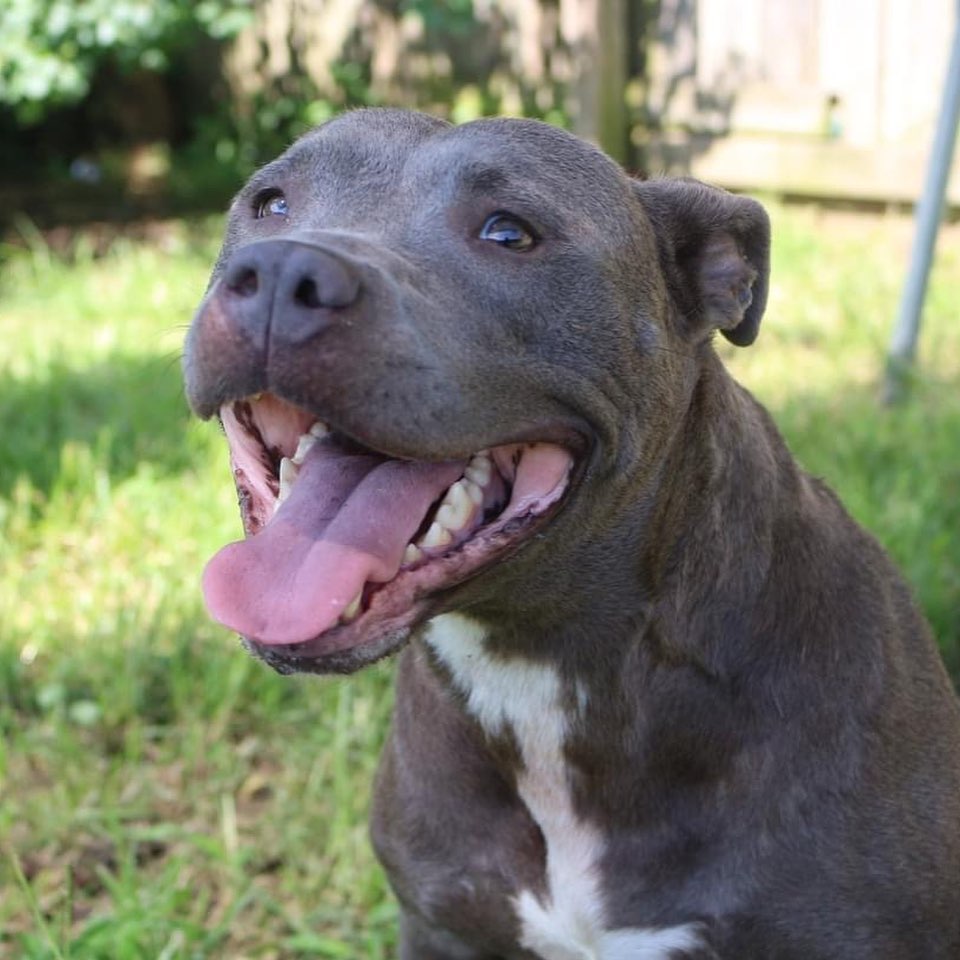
529 701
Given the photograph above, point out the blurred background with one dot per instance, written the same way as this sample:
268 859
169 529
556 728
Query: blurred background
118 109
161 795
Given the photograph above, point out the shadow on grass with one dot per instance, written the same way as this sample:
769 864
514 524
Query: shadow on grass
897 471
107 419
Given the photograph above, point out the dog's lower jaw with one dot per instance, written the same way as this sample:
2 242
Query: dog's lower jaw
286 660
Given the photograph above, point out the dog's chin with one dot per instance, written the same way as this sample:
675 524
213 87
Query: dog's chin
348 549
304 658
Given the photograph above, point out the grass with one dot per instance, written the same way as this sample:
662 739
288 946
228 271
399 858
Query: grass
161 795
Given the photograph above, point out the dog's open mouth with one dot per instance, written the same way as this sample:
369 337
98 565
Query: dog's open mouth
345 544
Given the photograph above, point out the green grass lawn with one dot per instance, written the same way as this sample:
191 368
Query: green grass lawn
162 795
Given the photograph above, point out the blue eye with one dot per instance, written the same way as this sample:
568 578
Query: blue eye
270 203
508 231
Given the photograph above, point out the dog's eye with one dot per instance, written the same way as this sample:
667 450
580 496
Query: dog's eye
269 203
509 231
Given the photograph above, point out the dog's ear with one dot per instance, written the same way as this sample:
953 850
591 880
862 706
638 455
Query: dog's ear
715 250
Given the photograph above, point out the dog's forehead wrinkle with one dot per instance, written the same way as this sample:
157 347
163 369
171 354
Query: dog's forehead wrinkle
532 142
376 139
389 123
347 171
274 173
524 158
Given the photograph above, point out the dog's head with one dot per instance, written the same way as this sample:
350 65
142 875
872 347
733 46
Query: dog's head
430 346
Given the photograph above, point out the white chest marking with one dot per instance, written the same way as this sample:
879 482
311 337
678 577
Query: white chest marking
569 923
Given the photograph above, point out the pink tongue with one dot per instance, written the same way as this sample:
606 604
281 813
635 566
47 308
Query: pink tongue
347 521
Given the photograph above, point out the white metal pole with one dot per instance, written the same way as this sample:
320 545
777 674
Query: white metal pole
903 344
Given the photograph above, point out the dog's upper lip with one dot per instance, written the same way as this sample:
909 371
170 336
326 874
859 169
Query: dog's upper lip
557 435
571 433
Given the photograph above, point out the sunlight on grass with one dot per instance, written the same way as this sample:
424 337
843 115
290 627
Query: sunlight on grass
818 366
162 795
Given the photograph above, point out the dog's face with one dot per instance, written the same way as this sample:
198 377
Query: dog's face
429 346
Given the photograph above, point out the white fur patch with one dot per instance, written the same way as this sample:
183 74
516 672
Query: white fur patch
569 923
648 944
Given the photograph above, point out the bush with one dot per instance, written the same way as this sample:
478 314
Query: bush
51 49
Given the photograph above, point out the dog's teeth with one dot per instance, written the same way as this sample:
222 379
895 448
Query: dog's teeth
288 471
319 430
306 441
436 536
352 608
474 491
413 554
479 469
456 508
288 474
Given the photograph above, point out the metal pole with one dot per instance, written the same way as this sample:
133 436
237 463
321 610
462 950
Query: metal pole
903 344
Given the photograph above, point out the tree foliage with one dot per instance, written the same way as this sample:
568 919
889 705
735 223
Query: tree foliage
50 49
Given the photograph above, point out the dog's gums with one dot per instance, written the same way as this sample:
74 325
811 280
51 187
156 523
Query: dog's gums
343 541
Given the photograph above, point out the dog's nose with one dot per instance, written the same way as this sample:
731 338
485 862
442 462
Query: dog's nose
291 288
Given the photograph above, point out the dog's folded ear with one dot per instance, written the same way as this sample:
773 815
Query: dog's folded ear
715 251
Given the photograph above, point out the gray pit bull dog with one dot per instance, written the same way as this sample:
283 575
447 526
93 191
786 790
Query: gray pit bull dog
658 695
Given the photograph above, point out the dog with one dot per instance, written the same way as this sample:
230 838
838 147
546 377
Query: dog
657 695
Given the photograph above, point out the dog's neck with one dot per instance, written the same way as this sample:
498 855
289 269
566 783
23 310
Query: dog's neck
602 717
668 643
